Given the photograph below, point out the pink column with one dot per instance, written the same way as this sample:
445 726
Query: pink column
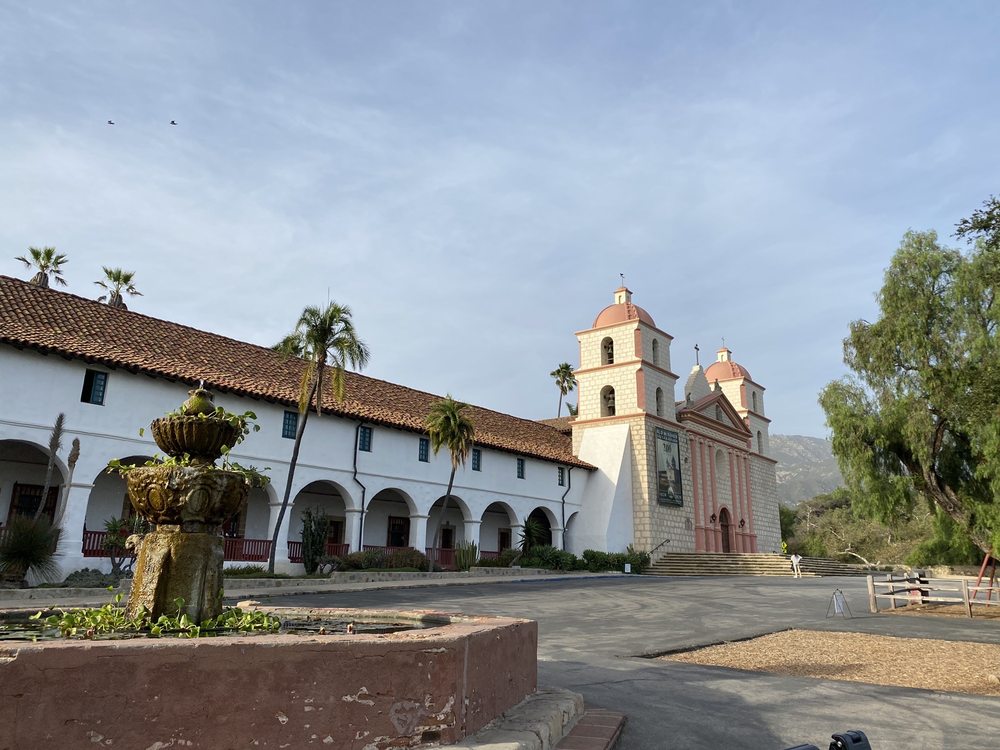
716 532
706 496
734 496
753 532
695 499
744 532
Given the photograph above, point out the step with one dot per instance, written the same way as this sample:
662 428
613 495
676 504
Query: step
597 729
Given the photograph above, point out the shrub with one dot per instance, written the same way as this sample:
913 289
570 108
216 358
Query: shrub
466 555
89 578
546 556
245 571
315 528
29 546
406 558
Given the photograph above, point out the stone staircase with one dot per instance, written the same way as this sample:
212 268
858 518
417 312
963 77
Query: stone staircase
746 564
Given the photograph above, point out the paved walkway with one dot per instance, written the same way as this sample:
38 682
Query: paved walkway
593 633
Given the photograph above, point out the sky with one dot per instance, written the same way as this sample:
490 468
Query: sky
471 178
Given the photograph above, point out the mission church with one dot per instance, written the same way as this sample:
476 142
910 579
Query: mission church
634 466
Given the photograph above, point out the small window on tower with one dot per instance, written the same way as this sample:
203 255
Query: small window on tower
608 351
365 439
607 401
760 443
753 400
659 402
424 451
656 352
520 468
561 476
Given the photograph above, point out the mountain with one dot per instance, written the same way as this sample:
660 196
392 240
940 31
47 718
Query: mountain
806 467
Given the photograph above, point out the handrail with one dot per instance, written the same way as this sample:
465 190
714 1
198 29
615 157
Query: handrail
665 541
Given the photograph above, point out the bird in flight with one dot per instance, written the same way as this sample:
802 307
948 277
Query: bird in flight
173 122
110 122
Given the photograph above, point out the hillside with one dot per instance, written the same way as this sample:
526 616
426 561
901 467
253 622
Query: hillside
806 467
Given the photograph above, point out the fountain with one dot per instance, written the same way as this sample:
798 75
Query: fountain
379 691
187 498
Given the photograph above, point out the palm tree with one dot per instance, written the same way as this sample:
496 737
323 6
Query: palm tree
47 261
565 381
448 428
325 338
116 281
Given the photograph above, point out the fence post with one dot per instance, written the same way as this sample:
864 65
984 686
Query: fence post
965 596
923 581
891 591
872 601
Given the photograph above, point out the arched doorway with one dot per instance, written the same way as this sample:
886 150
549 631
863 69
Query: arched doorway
542 532
495 532
724 528
23 468
321 496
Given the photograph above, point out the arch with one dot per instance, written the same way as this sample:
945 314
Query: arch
760 442
23 466
495 529
725 526
608 351
546 521
753 400
569 533
607 401
452 525
109 498
387 518
659 402
320 495
656 352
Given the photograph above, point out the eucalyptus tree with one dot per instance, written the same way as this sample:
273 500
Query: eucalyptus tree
116 282
447 427
565 382
47 262
325 338
920 415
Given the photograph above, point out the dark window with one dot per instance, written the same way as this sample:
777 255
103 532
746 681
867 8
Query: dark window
520 468
477 459
424 454
25 499
365 439
94 385
398 533
503 540
289 424
561 473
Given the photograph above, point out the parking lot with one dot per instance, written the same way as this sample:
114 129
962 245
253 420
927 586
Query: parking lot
594 633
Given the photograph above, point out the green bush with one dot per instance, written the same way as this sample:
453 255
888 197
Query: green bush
315 528
598 561
407 558
548 557
245 571
466 555
29 546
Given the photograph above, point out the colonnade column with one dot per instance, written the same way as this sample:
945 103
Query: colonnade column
70 550
557 537
418 532
352 532
281 562
470 531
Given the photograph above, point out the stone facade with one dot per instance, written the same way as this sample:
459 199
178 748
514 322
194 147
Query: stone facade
727 487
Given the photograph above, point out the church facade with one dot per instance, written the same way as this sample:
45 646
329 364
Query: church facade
634 467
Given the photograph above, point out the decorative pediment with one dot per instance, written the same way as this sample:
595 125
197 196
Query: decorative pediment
714 407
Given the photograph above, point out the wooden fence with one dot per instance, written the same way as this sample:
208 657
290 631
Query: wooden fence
915 590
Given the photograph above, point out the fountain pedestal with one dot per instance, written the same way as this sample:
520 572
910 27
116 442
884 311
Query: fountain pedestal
182 558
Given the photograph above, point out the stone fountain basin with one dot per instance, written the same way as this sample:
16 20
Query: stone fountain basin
364 692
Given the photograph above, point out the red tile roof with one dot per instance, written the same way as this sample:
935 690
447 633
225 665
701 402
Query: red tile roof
46 320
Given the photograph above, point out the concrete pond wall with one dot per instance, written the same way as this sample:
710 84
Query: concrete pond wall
362 692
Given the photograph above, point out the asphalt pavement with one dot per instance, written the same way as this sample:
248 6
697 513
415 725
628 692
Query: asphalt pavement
595 637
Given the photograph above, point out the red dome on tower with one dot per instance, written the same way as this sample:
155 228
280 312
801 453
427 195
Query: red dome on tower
725 369
622 310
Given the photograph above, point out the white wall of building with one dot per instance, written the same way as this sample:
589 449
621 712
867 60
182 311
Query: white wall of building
47 385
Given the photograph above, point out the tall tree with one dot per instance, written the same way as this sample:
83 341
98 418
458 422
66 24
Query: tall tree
115 282
920 416
325 338
447 427
47 262
55 445
565 382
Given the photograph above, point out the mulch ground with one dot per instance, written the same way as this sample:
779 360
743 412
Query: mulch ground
953 666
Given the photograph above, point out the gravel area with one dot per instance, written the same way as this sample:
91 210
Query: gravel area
954 666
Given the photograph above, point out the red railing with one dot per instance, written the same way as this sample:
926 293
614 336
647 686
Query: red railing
247 550
235 549
485 554
93 545
333 549
442 557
